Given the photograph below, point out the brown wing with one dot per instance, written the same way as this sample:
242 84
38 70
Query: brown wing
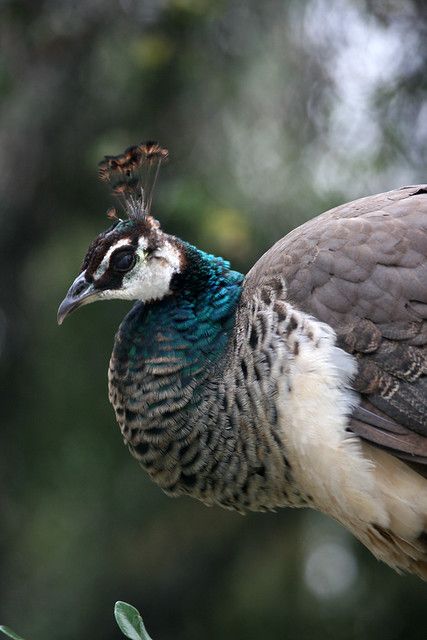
362 268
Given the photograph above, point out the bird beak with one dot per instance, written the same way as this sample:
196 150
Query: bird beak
81 292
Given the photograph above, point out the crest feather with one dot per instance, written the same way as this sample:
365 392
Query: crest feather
132 176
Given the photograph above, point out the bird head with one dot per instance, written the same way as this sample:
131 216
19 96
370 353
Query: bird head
133 259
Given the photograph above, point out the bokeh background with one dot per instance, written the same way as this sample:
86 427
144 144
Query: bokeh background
273 112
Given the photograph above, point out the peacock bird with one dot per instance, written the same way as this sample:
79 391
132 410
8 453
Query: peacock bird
301 384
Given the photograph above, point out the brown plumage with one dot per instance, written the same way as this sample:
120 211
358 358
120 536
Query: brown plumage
362 269
132 175
132 159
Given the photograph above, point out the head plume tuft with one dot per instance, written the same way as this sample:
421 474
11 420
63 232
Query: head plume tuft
132 176
112 214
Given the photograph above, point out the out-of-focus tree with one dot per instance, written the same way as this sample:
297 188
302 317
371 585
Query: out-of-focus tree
273 111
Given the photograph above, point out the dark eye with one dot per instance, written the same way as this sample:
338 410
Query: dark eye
123 260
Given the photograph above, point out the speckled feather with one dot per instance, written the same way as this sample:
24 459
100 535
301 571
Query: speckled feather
219 389
362 268
188 416
302 384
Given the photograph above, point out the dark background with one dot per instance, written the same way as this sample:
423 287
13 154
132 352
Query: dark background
273 111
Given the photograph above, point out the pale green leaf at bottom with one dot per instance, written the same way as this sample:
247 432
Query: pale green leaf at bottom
11 634
130 622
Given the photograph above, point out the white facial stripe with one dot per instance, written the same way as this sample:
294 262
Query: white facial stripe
150 279
106 259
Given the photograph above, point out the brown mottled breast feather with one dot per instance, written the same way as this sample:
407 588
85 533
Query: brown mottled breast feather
362 268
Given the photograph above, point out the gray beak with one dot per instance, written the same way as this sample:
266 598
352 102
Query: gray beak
81 292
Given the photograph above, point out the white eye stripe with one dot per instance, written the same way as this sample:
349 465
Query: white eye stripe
102 268
151 279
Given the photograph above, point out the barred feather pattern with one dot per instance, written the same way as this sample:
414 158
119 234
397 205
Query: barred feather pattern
207 428
245 403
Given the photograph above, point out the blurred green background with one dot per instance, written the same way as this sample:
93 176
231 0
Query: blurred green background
273 111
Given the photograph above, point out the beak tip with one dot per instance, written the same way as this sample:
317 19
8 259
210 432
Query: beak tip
81 292
65 308
60 317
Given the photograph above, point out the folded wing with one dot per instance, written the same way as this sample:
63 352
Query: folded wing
362 268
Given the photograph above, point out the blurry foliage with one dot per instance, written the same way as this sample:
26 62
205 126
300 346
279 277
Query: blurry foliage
9 633
273 112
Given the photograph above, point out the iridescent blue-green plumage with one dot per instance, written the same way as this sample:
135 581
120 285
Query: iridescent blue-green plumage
187 331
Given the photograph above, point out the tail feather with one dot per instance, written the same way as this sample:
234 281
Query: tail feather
402 555
403 492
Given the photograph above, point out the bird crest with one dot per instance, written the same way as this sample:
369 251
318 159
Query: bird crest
132 177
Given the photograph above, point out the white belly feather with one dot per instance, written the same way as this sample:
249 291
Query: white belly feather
379 498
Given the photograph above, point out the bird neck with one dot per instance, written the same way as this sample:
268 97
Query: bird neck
186 412
206 282
173 343
194 322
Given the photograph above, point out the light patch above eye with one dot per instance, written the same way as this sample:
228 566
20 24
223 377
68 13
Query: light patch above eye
165 252
142 244
104 264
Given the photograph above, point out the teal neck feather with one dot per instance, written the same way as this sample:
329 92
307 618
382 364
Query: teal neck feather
200 312
177 340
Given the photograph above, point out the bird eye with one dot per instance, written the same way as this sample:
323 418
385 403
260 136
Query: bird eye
123 260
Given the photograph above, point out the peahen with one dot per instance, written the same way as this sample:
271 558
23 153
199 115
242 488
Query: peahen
302 384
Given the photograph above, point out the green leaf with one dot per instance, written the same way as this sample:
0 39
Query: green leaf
130 621
8 632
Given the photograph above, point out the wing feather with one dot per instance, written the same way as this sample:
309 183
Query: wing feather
362 268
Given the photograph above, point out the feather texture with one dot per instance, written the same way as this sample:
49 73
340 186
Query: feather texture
302 384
